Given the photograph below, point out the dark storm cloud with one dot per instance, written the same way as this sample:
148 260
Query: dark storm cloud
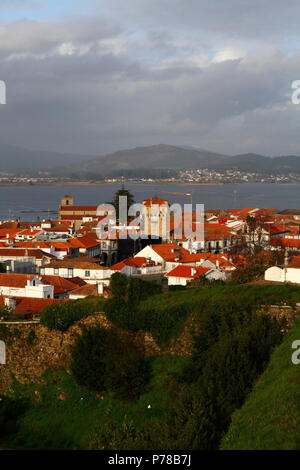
96 85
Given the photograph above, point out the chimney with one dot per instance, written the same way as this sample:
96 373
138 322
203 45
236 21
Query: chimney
217 264
11 303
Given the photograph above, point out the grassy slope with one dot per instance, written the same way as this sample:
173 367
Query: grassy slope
270 418
198 300
53 423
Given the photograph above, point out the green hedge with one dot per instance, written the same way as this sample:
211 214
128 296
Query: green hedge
61 316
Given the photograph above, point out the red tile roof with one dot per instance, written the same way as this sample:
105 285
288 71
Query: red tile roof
189 272
137 262
155 200
59 283
79 208
285 242
170 251
295 262
15 280
24 252
30 305
87 290
75 263
87 241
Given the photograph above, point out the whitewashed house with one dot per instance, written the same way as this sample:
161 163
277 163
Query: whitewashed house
87 270
289 273
181 275
25 285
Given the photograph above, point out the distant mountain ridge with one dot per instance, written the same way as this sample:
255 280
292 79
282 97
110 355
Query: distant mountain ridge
152 160
169 157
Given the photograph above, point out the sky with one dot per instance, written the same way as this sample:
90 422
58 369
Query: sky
96 76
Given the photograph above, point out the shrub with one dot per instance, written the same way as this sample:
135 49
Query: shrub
102 360
118 285
128 372
10 411
61 316
89 357
231 351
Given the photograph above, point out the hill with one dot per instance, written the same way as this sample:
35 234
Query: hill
154 157
251 162
145 161
270 418
152 161
50 410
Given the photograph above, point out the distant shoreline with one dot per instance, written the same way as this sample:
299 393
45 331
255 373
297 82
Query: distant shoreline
95 183
169 183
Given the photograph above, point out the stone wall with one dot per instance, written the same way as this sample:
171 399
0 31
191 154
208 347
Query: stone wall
31 349
284 314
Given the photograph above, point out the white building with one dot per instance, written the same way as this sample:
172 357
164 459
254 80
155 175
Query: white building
137 266
289 273
25 285
181 275
88 271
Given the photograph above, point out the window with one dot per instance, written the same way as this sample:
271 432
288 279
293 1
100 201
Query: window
56 271
87 273
70 272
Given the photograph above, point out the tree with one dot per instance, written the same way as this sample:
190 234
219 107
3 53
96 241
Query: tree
89 357
118 285
116 201
105 360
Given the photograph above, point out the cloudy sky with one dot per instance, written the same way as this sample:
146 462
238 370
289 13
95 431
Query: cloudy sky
96 76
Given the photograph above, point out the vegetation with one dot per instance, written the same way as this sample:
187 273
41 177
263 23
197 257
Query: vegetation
116 201
61 316
11 410
61 414
114 398
104 360
270 418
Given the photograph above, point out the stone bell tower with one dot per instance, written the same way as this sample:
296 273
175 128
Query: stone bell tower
65 201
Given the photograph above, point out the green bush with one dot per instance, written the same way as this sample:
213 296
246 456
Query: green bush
103 360
118 285
230 353
128 372
61 316
89 357
10 411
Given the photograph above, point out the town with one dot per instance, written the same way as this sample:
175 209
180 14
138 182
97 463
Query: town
197 176
54 261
